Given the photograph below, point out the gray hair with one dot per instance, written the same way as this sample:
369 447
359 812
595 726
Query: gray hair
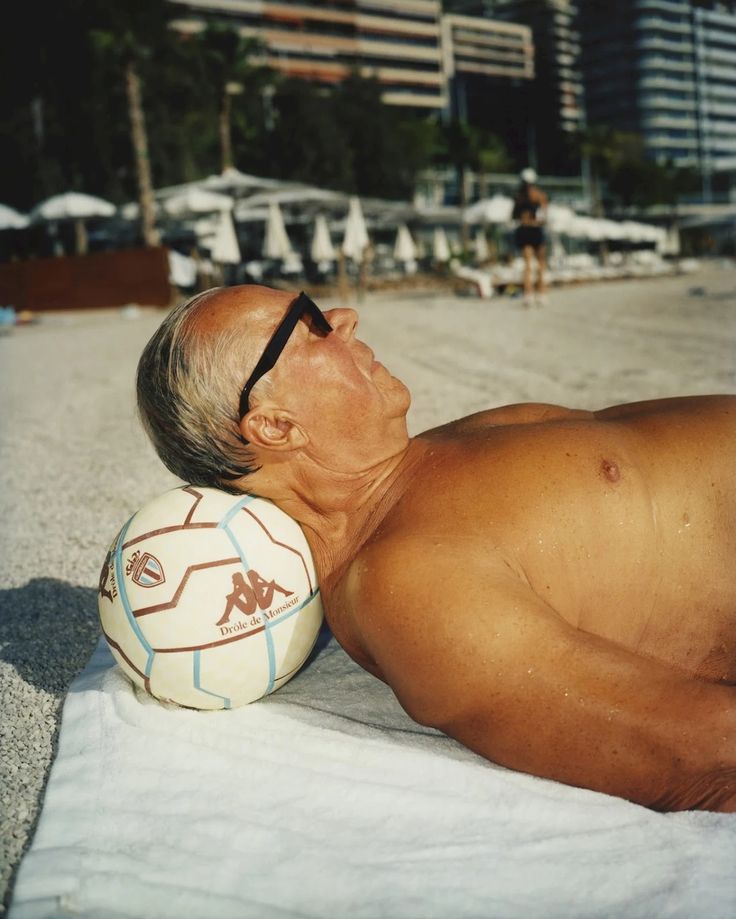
187 387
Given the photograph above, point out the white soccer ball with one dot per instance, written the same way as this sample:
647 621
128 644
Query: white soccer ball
209 600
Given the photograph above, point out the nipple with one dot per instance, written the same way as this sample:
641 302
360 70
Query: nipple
610 470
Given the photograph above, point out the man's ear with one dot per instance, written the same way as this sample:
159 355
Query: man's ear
272 429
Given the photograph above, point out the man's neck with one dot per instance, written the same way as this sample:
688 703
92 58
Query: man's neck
340 511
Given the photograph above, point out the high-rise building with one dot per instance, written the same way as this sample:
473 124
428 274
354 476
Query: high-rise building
554 99
714 45
421 59
488 66
396 41
666 70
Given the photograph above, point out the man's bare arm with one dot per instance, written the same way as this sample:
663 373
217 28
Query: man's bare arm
486 661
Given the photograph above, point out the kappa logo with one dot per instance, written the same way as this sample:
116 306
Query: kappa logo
145 569
256 593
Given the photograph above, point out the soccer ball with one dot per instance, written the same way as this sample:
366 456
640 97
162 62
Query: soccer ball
209 600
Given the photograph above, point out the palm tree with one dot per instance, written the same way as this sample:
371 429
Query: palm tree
492 157
470 148
227 60
605 150
131 32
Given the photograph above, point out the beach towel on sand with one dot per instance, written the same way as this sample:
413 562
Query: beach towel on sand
326 800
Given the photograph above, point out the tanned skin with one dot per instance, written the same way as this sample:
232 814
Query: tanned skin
554 588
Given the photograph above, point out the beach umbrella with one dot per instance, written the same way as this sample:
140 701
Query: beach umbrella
322 251
497 209
612 229
482 252
670 244
356 232
440 246
10 219
194 200
225 249
585 228
182 269
559 217
73 205
233 181
634 231
404 248
276 244
292 263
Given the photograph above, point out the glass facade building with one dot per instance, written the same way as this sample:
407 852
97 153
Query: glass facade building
666 70
554 98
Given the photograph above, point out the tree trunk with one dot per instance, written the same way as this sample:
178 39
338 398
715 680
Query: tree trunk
226 141
139 140
464 229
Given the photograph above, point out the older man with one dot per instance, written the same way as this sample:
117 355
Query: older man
554 588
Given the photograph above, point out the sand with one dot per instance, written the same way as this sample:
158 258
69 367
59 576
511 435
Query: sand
74 463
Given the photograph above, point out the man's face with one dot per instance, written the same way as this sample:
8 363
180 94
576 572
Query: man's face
335 387
331 384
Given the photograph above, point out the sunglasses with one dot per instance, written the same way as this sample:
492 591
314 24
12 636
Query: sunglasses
299 307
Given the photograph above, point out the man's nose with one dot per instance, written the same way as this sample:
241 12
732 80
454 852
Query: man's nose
344 321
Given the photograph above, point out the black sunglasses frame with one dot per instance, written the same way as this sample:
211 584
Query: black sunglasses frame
276 344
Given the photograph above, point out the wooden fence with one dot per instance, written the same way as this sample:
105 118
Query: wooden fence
87 281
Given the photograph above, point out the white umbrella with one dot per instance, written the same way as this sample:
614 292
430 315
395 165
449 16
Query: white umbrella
276 242
585 228
300 196
497 209
322 250
72 205
482 252
196 201
182 269
612 229
559 217
233 180
670 245
440 246
356 233
10 219
293 263
404 248
225 249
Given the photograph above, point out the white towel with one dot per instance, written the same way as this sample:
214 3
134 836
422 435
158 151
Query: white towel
326 800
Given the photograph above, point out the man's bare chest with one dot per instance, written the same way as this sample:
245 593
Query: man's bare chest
624 546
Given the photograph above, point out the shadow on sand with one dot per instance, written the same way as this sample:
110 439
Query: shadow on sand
48 630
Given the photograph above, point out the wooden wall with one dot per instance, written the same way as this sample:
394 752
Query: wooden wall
87 281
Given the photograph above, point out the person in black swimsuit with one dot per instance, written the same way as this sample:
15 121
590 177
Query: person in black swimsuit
530 204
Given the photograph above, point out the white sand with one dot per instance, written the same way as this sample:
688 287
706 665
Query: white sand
74 463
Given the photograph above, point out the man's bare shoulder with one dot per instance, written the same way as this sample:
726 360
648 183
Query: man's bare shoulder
717 406
518 414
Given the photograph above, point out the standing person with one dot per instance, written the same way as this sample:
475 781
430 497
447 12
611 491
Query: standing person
530 205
